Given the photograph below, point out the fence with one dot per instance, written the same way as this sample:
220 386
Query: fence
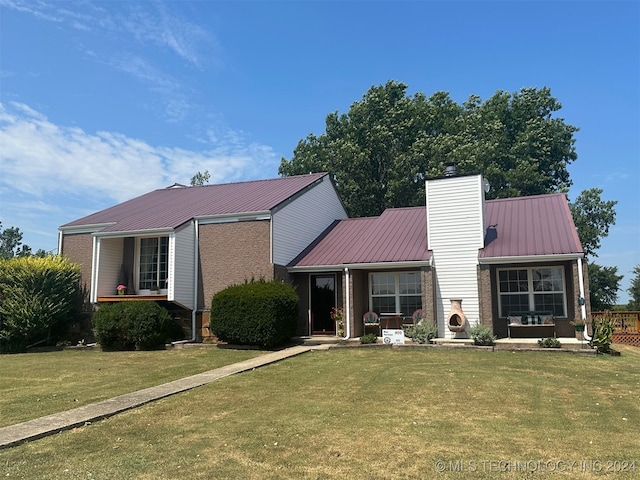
626 326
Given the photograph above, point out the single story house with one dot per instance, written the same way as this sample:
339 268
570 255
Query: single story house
499 258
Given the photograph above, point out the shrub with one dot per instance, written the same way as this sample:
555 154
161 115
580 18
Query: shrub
602 334
134 325
368 338
39 297
482 335
255 313
422 333
549 342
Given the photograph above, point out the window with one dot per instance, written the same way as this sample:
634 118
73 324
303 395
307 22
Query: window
154 262
396 292
532 289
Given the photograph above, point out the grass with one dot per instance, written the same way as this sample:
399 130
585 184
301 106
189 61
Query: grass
34 385
370 413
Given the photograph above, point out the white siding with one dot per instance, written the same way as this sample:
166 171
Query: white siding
298 223
181 266
109 265
455 226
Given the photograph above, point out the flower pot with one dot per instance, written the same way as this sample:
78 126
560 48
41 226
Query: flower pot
579 328
120 292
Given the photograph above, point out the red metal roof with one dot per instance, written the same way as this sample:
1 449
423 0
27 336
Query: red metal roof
398 235
171 207
529 226
525 226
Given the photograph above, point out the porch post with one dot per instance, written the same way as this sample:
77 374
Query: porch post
347 278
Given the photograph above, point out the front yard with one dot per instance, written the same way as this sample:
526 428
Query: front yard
360 413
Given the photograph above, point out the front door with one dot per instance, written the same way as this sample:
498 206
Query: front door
323 299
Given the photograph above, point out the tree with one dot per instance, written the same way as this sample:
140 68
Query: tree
634 290
200 178
11 243
604 283
381 151
592 217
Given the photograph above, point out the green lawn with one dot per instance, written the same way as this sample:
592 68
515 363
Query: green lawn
38 384
370 413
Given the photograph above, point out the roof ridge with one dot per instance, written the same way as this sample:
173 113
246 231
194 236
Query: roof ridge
318 174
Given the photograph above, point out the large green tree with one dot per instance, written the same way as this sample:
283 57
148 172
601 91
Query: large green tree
383 148
593 217
11 243
634 290
604 283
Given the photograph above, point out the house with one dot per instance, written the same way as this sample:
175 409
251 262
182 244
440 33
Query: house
194 241
493 258
498 257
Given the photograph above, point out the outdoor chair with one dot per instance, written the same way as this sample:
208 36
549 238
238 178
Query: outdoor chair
371 319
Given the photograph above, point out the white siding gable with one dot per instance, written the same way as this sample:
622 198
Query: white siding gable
299 222
455 233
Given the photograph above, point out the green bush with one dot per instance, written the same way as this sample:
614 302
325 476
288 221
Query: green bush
549 342
482 335
368 338
422 333
39 297
255 313
602 334
134 325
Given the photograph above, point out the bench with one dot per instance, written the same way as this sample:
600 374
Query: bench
536 323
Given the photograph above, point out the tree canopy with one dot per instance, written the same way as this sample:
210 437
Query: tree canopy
11 244
604 283
383 148
592 217
634 290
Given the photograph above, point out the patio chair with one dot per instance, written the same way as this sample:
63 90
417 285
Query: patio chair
371 319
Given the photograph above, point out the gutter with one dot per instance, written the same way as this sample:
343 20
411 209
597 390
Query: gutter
530 258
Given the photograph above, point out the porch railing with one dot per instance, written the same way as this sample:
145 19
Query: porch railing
627 322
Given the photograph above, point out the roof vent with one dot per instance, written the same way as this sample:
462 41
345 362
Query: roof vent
450 169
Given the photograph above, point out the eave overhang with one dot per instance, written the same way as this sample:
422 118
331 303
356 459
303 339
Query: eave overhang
360 266
530 258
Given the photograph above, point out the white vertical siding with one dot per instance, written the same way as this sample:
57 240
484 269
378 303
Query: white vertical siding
298 223
455 227
109 265
181 266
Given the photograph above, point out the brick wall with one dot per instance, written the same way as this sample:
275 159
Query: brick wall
231 253
79 249
485 298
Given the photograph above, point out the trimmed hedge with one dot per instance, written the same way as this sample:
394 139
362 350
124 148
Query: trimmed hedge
39 298
135 325
255 313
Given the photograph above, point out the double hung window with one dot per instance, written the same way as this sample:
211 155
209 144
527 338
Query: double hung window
397 292
154 262
532 289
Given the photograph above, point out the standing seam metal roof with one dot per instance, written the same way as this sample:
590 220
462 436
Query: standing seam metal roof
173 206
525 226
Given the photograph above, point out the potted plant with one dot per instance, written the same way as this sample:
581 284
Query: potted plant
337 314
155 289
122 289
578 324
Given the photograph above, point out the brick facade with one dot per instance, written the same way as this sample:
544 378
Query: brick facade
231 253
79 249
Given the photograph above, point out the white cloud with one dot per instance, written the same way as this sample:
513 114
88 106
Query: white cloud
38 158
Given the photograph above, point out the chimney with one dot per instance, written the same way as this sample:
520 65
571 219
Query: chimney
450 169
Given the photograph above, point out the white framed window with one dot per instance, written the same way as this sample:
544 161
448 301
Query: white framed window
540 289
153 261
395 292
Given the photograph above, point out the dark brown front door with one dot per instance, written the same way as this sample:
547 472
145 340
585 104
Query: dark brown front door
323 299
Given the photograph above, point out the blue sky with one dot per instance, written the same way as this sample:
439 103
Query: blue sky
104 101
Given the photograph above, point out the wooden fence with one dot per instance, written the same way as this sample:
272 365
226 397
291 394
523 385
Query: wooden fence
626 326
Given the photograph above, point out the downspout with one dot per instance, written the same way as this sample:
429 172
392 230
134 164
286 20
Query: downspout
347 278
583 307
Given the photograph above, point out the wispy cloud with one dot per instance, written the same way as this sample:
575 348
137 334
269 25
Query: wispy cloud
38 157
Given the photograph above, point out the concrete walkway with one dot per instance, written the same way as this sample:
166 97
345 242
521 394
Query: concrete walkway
51 424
